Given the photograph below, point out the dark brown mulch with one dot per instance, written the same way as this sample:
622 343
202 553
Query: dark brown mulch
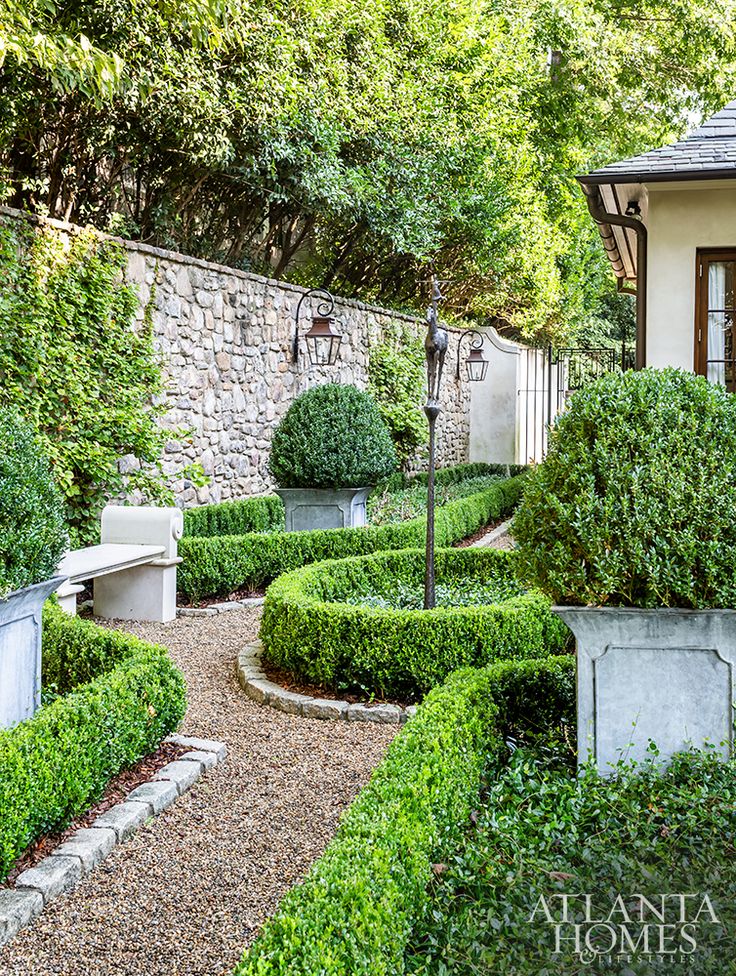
289 681
117 789
469 540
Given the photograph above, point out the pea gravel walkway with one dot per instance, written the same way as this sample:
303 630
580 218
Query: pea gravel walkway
190 890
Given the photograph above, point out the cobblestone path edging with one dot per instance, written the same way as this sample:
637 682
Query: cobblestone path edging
255 684
89 846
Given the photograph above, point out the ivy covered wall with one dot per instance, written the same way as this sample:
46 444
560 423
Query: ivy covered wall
73 363
162 376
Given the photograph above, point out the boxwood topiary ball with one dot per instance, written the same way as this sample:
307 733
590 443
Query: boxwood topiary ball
635 504
332 437
33 534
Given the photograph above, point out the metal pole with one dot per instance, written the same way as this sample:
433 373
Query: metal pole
432 410
435 347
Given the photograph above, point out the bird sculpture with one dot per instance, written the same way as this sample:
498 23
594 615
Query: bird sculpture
435 346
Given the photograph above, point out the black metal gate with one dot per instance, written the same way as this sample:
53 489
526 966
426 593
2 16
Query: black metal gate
548 378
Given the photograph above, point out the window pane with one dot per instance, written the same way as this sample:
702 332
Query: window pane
721 275
720 349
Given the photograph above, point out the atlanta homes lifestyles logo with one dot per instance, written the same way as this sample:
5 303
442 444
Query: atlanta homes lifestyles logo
631 926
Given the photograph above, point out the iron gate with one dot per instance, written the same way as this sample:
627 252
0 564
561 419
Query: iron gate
548 378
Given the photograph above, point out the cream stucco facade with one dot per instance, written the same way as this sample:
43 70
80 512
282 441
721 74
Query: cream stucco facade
680 218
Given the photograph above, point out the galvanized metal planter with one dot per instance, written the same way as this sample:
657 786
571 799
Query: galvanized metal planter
321 508
20 651
664 676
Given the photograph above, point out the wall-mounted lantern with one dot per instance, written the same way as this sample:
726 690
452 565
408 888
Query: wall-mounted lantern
323 343
476 362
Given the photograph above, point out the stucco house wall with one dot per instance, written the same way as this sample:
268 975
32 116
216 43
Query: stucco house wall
681 218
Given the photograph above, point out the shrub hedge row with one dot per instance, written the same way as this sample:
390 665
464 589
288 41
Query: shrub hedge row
310 632
218 565
355 911
264 513
117 698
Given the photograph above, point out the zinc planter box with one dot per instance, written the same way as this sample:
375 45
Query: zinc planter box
20 651
665 676
320 508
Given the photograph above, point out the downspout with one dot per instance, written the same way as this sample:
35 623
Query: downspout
600 216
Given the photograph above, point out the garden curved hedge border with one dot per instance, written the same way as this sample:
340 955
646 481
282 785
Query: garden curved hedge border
118 698
355 911
216 565
400 653
255 683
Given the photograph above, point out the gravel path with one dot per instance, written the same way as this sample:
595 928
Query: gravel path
186 894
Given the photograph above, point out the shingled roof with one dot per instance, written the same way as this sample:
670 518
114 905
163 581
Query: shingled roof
707 153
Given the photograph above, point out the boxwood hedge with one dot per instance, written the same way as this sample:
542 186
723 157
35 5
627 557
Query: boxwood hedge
633 504
355 911
114 697
308 630
264 513
214 566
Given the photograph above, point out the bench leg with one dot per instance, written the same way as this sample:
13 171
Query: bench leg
67 597
143 593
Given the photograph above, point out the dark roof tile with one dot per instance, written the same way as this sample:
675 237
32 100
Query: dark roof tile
709 149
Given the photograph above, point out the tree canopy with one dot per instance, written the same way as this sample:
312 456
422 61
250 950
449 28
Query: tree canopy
352 144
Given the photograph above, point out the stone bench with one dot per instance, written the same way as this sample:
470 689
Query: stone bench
133 568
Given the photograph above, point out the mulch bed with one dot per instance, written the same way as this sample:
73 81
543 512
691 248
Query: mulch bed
476 536
291 683
117 789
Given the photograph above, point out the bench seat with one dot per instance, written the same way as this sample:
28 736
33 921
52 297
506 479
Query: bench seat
110 557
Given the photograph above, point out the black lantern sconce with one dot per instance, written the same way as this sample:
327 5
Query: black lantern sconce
476 362
323 343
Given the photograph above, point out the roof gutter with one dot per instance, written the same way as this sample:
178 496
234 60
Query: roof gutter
602 217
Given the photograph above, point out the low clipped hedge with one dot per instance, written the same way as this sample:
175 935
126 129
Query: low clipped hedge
114 698
310 631
355 911
219 565
261 514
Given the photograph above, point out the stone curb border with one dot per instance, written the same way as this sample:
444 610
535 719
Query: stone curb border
252 679
89 846
493 535
215 608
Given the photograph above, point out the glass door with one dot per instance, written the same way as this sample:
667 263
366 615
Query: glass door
715 314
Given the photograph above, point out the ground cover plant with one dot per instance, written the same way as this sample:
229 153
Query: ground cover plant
356 909
356 624
109 700
228 560
632 504
399 504
542 832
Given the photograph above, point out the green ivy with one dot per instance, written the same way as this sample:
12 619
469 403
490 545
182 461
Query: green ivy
397 380
72 362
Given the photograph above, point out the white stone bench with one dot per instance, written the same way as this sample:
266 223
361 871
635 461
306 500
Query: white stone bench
133 568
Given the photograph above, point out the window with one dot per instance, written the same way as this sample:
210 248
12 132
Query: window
715 316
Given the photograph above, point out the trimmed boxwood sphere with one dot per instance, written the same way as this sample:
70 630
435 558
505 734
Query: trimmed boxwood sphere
32 531
332 437
635 504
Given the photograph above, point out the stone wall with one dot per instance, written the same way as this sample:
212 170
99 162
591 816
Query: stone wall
225 341
225 338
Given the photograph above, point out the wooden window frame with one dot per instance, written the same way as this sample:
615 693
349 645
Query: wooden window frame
703 257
